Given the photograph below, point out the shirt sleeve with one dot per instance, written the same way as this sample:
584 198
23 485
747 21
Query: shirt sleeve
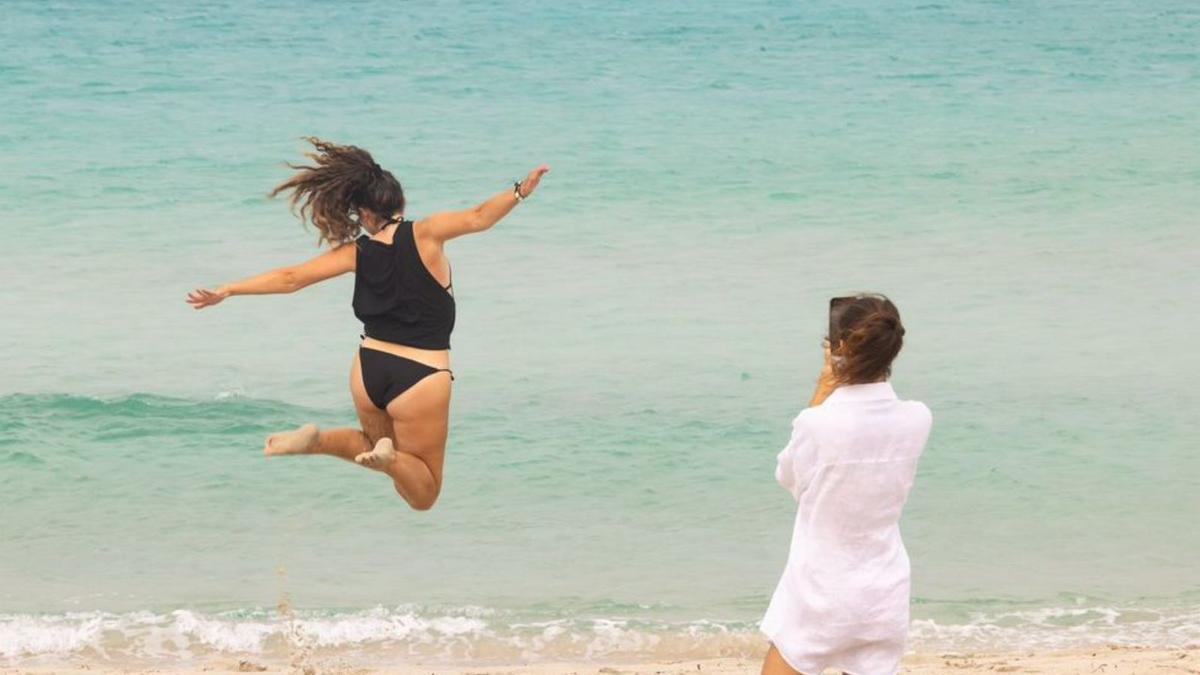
797 462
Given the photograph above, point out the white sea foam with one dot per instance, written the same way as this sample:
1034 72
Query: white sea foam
459 633
28 635
474 633
1060 628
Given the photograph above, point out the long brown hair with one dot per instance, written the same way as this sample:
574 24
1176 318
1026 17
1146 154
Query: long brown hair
865 335
344 179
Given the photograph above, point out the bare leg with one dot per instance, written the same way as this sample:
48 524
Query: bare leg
775 665
407 441
420 422
308 440
344 443
415 481
297 442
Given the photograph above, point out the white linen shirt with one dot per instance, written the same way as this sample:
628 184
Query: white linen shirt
843 600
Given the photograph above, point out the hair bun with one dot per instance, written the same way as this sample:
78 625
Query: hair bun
871 337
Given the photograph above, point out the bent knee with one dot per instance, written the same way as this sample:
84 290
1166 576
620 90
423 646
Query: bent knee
422 502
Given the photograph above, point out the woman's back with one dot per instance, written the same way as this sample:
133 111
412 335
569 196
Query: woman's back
843 599
867 444
396 296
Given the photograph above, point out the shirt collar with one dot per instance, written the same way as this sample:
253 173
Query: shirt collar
875 391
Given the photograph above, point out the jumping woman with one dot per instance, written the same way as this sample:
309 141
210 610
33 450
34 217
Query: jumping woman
843 600
400 379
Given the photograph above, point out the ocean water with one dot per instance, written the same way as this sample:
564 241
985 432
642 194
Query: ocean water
633 342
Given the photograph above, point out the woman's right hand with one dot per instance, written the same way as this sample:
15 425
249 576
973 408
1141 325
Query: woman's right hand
827 368
826 381
202 297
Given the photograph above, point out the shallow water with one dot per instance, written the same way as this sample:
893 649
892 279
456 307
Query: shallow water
632 343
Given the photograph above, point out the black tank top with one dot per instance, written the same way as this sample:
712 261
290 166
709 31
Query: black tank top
396 296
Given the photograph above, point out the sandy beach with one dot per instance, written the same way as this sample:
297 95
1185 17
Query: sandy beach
1105 660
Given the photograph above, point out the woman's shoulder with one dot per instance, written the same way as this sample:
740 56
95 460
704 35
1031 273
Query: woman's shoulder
918 417
814 418
912 402
818 416
807 415
917 409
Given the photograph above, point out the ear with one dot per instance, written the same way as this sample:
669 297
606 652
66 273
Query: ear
366 219
837 350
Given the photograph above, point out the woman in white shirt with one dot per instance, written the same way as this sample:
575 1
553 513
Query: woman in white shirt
843 599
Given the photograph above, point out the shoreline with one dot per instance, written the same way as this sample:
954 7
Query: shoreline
1106 659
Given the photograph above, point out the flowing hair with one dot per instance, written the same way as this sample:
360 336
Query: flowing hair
342 180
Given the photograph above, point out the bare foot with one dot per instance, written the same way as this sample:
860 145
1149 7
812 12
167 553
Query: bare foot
297 442
379 458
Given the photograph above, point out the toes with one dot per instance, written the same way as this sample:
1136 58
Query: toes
371 460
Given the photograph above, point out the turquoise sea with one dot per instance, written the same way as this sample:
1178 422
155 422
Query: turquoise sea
1021 177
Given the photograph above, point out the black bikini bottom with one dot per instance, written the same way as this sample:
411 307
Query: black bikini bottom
386 376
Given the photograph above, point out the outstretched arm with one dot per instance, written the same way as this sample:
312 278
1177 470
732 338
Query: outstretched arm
283 280
445 226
